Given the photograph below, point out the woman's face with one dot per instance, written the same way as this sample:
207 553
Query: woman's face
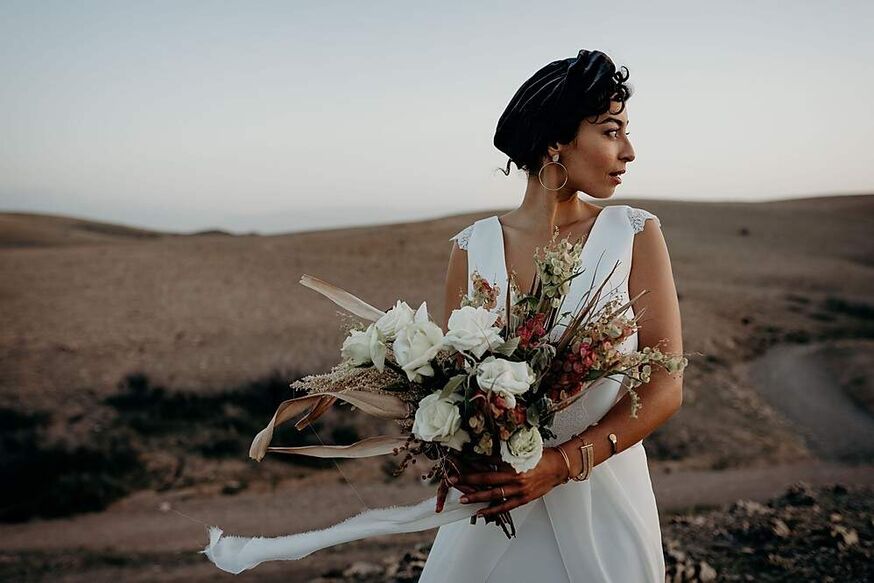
600 148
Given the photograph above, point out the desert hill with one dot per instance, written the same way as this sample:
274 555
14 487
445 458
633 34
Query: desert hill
207 312
44 230
136 366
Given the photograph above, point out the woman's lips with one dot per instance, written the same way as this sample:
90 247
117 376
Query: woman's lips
615 178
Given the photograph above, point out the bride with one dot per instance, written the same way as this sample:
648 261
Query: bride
586 511
566 129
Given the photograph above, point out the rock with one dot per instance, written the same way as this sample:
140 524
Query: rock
706 572
780 529
681 568
688 572
749 507
798 494
779 561
233 487
845 537
363 570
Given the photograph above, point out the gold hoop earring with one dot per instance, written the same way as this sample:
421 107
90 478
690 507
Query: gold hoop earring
554 161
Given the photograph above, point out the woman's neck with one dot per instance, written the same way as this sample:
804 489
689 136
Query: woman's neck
542 210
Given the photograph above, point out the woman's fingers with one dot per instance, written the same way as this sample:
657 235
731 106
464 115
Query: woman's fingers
492 511
491 494
442 489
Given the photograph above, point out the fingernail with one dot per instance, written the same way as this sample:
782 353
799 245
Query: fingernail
464 499
453 480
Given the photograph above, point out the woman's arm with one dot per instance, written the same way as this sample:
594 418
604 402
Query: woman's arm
663 395
456 282
660 398
455 288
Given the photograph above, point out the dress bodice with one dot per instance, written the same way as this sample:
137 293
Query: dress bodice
609 241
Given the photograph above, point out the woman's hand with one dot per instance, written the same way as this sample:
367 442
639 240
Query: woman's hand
458 467
519 489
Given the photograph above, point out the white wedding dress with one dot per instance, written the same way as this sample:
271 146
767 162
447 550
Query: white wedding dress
603 529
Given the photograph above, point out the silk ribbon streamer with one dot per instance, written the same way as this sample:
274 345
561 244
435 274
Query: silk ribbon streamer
367 447
378 405
235 554
342 298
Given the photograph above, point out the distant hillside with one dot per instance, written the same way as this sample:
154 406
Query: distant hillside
40 230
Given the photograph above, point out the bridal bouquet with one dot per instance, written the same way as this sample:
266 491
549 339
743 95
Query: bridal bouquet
489 386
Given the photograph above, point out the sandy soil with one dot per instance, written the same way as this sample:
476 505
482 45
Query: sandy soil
212 316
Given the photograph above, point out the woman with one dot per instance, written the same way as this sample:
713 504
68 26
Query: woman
566 129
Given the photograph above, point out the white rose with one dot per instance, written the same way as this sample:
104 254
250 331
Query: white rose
417 344
523 450
440 420
471 330
396 318
364 347
505 377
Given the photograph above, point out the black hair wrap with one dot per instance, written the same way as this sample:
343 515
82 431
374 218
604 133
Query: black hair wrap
549 106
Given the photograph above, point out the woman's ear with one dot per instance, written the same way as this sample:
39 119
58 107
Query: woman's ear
551 151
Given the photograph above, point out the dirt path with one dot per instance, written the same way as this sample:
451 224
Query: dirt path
794 380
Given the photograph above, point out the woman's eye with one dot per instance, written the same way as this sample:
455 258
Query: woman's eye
614 131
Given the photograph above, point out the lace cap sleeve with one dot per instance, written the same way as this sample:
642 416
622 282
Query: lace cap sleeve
462 237
639 216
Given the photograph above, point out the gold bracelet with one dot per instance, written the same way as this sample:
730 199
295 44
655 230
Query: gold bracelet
586 454
567 462
614 447
587 457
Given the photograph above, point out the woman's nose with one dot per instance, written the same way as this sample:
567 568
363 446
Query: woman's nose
628 152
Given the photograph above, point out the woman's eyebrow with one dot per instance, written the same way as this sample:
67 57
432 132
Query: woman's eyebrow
616 119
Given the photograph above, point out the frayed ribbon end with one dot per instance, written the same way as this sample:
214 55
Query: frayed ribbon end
221 551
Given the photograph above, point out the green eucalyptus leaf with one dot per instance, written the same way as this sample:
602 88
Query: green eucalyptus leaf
508 347
451 385
533 416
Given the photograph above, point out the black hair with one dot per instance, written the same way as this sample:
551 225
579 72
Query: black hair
550 106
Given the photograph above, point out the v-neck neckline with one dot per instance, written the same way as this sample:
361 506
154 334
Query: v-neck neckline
588 237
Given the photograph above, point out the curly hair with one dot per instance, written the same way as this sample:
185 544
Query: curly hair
550 106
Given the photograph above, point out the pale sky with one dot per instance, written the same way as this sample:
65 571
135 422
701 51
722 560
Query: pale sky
285 116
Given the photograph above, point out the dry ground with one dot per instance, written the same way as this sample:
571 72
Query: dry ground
221 322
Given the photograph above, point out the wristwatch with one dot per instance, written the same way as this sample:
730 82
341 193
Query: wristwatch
613 443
